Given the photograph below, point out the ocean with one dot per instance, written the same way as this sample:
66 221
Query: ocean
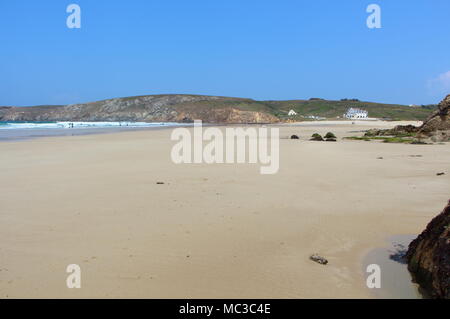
25 130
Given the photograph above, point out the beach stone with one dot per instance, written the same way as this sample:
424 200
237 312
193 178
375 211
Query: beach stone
318 259
159 183
439 174
316 137
294 137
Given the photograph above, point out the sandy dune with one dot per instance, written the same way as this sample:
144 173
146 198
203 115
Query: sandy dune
209 231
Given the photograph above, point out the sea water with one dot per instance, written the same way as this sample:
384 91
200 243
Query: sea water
25 130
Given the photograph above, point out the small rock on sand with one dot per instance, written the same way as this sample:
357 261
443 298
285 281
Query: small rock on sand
318 259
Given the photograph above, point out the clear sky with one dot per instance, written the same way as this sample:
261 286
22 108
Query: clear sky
244 48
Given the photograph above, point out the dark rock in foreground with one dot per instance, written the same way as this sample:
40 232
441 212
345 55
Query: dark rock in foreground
428 257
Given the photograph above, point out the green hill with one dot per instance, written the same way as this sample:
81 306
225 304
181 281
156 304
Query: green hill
334 109
212 109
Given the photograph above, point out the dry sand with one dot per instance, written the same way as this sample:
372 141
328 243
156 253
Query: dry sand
211 230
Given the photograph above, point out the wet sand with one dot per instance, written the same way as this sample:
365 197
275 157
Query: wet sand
211 230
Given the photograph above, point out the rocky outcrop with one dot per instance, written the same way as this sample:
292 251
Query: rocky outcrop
224 115
428 257
437 126
151 108
239 116
399 130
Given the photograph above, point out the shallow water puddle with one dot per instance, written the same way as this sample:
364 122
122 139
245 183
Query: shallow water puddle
396 281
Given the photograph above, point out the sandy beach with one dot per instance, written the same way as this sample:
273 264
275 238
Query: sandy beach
211 230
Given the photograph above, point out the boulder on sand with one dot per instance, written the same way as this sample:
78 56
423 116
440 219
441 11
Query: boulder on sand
318 259
316 137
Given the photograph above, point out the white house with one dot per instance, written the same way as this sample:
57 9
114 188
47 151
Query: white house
292 113
354 113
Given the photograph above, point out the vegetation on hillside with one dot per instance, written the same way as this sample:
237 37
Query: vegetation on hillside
199 105
335 109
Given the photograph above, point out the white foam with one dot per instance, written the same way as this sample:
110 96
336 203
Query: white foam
68 125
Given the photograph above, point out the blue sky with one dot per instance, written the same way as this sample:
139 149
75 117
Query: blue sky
257 49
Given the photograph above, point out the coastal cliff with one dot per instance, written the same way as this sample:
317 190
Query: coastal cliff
428 257
152 108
